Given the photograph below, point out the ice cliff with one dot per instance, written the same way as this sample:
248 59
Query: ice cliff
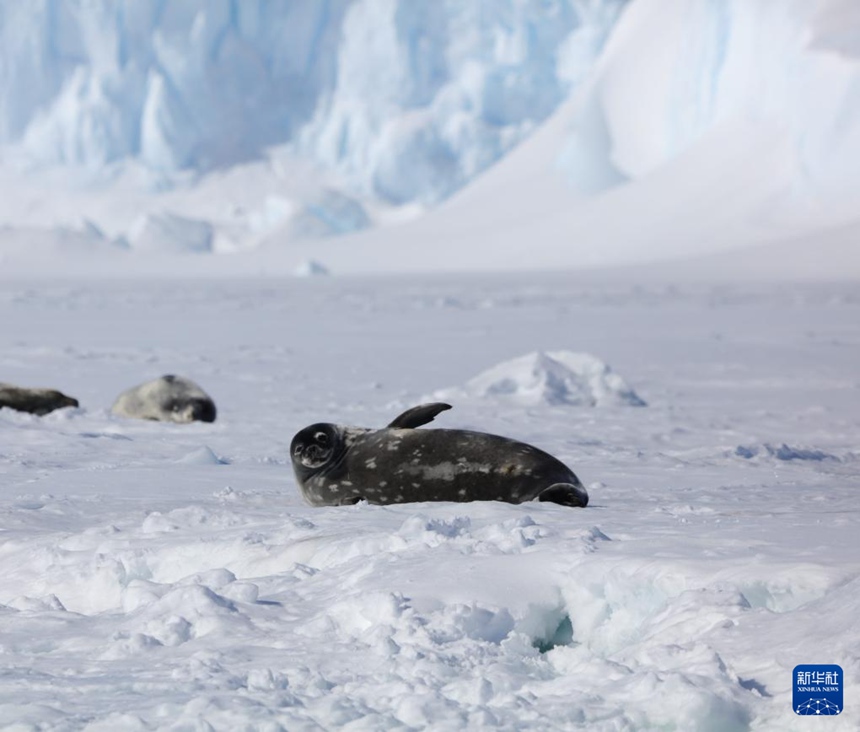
408 98
717 122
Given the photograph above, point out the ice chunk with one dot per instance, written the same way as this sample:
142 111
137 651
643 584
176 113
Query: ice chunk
310 268
168 232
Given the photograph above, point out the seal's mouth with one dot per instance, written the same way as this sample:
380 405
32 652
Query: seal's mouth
316 453
312 456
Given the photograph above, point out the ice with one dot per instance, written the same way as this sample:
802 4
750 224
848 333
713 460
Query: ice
312 215
145 583
311 268
427 95
170 233
450 86
325 214
552 378
391 135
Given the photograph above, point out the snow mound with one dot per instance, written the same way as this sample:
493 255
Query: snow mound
201 456
167 232
553 378
311 268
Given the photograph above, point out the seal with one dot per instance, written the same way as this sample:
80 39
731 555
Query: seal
337 465
34 401
167 399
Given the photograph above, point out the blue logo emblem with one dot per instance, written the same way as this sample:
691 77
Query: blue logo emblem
817 690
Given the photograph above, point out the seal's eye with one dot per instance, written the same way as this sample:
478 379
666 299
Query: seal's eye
321 438
298 450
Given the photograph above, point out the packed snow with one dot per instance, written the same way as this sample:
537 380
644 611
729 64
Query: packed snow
162 576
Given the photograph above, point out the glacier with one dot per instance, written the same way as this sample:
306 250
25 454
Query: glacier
408 99
487 134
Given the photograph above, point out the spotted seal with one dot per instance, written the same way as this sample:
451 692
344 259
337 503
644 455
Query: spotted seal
34 401
166 399
337 465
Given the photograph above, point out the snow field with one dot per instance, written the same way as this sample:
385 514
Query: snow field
157 576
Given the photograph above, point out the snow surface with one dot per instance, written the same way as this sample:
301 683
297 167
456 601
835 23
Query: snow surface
159 576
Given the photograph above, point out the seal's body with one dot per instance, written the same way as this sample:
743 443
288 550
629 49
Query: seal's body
34 401
337 465
167 399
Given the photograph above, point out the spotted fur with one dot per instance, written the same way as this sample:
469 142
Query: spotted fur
338 465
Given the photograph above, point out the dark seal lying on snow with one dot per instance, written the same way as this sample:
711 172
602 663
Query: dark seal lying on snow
337 465
167 399
34 401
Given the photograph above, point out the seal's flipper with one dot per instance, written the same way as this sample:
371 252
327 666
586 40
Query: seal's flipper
565 494
415 417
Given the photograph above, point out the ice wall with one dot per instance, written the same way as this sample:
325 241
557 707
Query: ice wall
408 98
411 99
191 84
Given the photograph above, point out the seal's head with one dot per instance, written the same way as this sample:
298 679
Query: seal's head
63 400
316 449
183 400
194 409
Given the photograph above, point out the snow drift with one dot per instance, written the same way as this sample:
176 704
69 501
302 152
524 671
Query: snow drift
555 378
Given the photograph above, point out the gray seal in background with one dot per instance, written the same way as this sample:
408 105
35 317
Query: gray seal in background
337 465
167 399
34 401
